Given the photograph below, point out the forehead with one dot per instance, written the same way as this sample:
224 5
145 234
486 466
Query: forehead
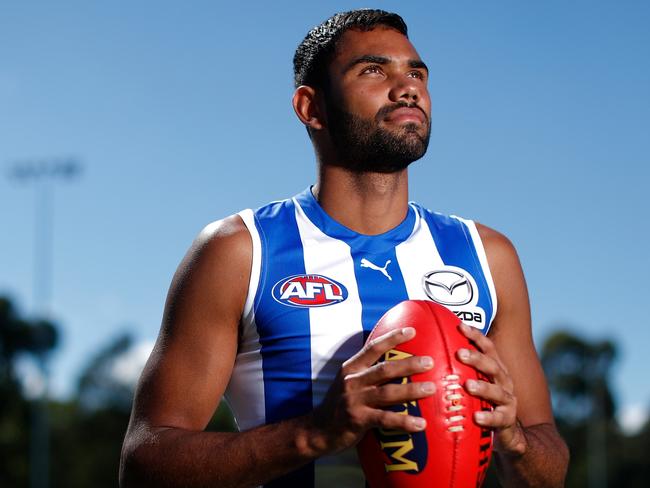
381 41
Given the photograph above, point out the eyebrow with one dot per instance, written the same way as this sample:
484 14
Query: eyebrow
371 58
418 63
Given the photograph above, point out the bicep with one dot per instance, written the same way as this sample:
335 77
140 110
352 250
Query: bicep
190 366
511 331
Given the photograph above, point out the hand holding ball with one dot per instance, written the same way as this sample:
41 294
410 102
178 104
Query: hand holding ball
453 451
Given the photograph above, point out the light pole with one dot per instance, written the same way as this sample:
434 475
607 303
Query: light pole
42 173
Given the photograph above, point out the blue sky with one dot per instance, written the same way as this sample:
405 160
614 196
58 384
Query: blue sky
180 113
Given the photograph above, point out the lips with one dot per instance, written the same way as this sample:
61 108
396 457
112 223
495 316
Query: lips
406 115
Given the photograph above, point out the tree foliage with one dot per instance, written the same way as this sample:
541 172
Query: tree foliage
578 371
18 337
98 386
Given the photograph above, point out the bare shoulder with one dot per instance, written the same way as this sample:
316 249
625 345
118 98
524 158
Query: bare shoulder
496 244
513 310
191 363
503 260
220 254
227 237
209 288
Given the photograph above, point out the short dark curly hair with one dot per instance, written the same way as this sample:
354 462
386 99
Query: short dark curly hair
316 50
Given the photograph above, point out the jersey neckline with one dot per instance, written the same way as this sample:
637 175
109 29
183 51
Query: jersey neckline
376 244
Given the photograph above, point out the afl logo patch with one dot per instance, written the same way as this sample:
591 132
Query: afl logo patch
308 291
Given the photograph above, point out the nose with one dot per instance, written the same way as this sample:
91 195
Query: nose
405 89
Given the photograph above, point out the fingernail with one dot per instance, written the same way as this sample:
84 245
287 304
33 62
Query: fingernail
463 353
428 387
419 424
464 327
408 331
480 416
426 362
472 385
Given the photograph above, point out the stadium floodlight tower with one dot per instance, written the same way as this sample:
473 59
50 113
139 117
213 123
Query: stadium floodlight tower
42 174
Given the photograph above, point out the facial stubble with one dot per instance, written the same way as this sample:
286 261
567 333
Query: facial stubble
364 146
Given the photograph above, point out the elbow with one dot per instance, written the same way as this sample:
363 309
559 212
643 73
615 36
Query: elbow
126 475
130 467
557 453
133 459
564 456
544 464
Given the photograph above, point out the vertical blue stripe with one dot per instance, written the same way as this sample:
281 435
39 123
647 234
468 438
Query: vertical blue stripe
377 293
284 331
456 248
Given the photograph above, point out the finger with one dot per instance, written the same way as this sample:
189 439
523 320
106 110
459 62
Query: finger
499 418
482 362
387 370
482 342
495 394
375 348
388 420
392 394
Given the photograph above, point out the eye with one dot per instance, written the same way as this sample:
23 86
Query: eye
372 69
417 74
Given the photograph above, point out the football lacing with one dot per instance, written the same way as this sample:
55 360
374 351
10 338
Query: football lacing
454 398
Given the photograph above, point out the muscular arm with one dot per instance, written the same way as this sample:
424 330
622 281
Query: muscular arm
191 364
528 448
187 373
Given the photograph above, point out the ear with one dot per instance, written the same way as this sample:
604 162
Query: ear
307 108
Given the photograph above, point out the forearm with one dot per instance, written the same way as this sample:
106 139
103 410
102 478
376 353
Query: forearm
174 457
543 464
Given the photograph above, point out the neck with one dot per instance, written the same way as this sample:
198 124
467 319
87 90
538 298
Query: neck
368 203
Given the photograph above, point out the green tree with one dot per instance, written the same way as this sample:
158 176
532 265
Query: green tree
87 431
579 376
578 372
19 337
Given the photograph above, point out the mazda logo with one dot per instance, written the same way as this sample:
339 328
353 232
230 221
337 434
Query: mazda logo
448 287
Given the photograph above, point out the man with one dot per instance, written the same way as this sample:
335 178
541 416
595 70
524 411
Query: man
273 305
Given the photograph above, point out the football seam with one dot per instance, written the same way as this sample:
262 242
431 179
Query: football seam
450 357
450 411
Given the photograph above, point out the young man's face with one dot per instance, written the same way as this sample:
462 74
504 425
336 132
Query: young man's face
378 105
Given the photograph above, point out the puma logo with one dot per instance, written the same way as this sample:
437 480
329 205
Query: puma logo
367 264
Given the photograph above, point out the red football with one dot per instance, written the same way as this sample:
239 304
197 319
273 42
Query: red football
453 451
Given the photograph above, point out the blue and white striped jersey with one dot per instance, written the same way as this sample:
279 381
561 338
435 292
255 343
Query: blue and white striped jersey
316 290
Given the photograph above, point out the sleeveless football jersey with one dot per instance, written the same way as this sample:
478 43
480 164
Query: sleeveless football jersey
316 290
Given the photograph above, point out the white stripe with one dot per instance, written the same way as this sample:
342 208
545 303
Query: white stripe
249 220
417 255
482 257
245 392
336 330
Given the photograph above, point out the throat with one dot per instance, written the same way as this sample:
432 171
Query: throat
367 203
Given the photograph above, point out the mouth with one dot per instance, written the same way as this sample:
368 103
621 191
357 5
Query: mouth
406 115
